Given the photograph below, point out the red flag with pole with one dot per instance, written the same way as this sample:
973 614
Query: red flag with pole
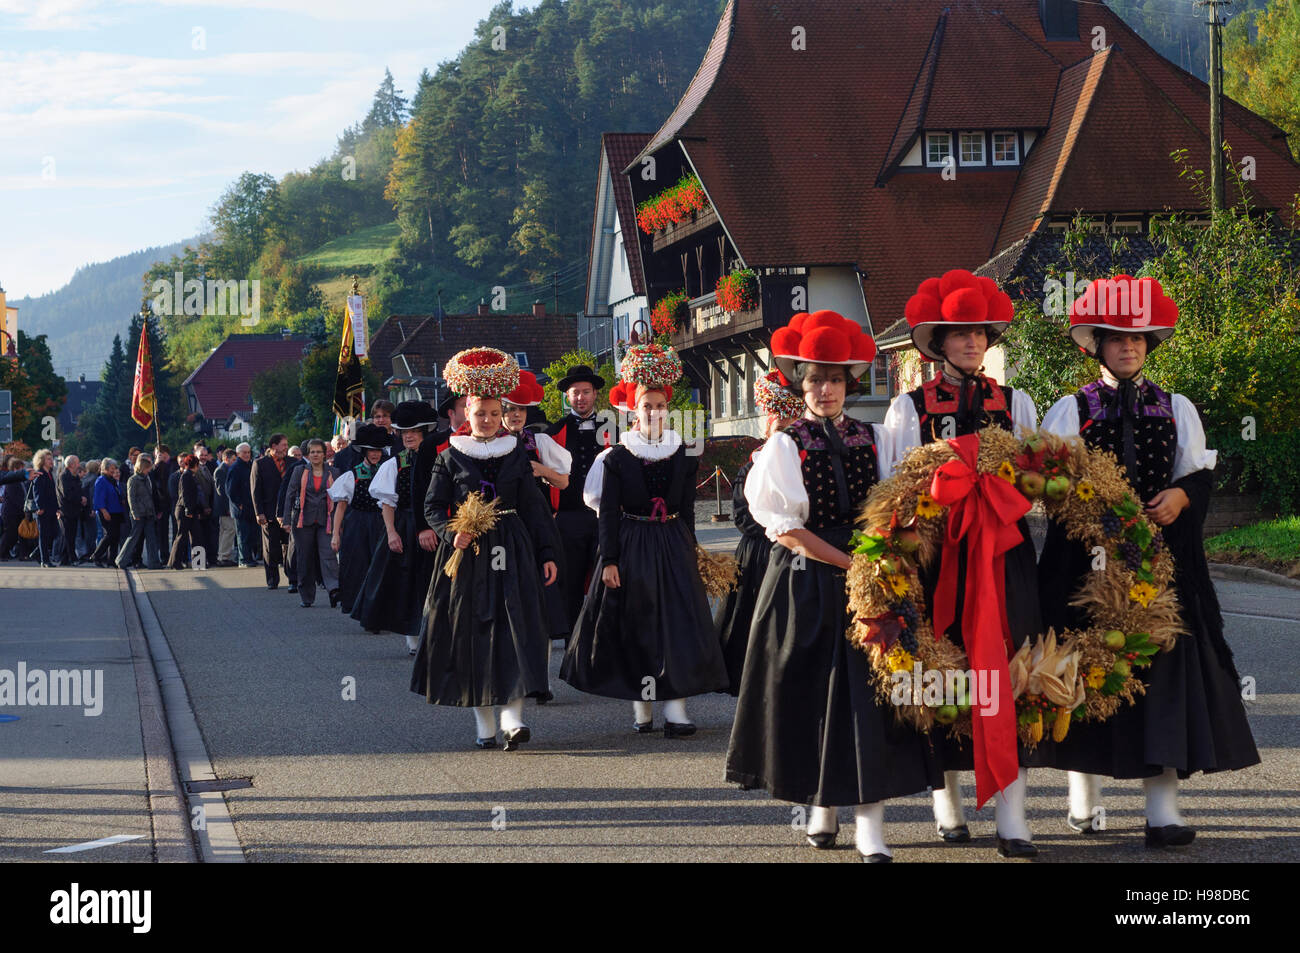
143 404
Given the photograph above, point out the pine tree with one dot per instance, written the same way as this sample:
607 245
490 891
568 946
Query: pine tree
388 109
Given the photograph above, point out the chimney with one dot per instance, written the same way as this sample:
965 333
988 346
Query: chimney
482 307
539 310
1060 19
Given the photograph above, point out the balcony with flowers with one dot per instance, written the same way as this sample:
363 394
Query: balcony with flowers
676 213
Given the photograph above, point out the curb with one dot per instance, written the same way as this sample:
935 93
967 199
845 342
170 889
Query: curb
1252 574
217 839
168 817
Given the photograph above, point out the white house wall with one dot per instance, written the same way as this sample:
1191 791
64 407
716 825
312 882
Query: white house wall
837 289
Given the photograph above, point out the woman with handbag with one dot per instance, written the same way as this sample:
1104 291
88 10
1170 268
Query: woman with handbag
11 511
44 506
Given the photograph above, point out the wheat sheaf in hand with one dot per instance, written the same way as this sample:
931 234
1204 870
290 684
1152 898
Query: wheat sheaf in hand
474 517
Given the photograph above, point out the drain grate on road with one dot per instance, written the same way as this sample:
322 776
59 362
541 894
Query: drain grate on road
218 784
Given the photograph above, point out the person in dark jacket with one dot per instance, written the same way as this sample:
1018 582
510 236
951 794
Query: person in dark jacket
240 494
88 532
264 486
144 518
221 513
108 503
189 509
291 549
163 468
47 506
14 480
72 502
206 530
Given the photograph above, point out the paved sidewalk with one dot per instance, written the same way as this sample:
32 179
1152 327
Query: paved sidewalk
67 777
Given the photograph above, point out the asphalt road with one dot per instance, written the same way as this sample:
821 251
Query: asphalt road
384 776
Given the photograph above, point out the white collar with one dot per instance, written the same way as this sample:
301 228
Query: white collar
484 449
644 449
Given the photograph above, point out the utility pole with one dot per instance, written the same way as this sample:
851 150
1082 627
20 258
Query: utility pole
555 290
1216 103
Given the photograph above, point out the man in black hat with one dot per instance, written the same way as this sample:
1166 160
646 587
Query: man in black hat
584 435
451 406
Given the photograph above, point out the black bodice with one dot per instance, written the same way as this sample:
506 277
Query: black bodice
362 501
984 404
1155 434
823 470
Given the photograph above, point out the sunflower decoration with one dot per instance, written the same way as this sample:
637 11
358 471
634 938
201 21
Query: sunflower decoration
482 372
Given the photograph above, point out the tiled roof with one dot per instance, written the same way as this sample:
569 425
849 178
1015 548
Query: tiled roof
619 149
223 390
789 143
543 339
387 339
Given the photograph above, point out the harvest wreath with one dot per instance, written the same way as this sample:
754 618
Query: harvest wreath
974 489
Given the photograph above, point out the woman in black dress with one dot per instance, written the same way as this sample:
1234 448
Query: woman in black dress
954 320
644 632
1191 717
809 727
483 642
358 524
551 464
393 592
782 408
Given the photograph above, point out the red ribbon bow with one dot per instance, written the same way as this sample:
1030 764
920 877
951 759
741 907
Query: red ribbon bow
659 511
983 510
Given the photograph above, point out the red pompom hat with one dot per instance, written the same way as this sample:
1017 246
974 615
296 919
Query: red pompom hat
823 337
958 298
529 393
1122 303
619 398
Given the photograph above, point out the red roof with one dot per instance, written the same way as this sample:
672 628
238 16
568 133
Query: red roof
796 148
221 382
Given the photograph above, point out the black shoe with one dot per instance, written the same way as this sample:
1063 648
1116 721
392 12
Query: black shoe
674 729
643 727
515 737
824 840
293 587
876 858
1080 825
955 835
334 598
485 743
545 697
305 605
273 585
1170 835
1015 848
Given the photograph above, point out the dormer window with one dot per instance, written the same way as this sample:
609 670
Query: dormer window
938 147
1006 148
972 148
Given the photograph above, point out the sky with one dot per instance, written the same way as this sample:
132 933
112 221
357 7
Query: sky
122 122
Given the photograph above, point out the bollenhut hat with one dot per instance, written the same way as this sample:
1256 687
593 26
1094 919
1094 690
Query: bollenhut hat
1126 304
824 337
959 298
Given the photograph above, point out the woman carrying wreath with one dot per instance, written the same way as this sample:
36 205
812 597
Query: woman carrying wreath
1191 717
954 320
644 632
809 726
781 408
484 639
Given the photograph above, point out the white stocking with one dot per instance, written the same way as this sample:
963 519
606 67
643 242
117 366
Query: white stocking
512 715
870 833
485 720
1085 795
947 803
1009 809
412 643
675 711
823 820
1162 799
642 712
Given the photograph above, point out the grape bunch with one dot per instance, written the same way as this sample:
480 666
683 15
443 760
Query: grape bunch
1110 524
1157 543
1132 554
907 639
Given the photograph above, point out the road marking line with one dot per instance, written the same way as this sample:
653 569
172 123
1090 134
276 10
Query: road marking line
1266 618
88 845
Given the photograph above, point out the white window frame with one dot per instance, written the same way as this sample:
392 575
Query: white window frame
1015 141
961 149
522 358
929 136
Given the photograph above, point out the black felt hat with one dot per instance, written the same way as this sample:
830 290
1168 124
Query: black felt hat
371 437
413 414
581 374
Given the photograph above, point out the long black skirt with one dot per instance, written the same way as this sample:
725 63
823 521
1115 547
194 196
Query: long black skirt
736 611
652 638
483 640
363 533
809 727
1024 620
392 595
1191 717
